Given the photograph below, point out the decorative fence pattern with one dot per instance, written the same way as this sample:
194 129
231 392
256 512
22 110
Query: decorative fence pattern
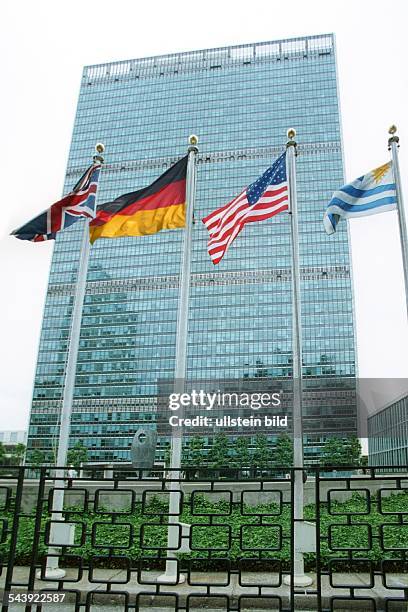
234 547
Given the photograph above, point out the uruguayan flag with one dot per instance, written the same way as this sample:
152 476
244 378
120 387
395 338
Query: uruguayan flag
368 195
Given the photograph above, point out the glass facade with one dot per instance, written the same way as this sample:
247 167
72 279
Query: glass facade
240 102
388 434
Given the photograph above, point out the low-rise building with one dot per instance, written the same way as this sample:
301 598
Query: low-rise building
388 434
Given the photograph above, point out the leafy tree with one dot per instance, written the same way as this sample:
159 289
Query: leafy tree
261 455
353 450
196 451
77 455
218 455
338 452
37 458
333 452
167 455
283 452
17 454
242 456
3 457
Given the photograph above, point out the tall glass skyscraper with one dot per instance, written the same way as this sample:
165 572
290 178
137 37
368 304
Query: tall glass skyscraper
240 101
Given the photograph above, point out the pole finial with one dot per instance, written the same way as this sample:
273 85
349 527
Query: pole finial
392 130
291 134
99 148
193 142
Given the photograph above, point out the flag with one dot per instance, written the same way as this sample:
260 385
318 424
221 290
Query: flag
157 207
263 199
80 202
370 194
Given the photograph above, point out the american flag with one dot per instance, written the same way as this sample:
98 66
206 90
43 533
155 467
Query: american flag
80 202
263 199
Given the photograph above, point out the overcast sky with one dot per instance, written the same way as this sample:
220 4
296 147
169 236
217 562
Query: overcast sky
44 46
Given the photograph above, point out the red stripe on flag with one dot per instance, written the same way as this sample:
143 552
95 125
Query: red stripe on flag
225 223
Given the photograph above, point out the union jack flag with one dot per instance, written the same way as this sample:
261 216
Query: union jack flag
263 199
80 202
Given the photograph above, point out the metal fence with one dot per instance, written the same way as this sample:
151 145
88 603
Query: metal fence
234 548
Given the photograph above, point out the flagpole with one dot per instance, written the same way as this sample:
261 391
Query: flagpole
52 568
299 576
393 146
170 575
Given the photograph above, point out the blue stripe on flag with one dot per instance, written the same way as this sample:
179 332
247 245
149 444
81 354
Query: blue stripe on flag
89 202
360 207
365 193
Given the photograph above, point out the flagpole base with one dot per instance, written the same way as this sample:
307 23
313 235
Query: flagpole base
52 573
299 580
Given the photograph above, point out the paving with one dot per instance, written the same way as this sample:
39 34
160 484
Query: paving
161 598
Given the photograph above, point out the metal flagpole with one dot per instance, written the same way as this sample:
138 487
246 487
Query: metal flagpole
393 146
59 533
174 527
300 579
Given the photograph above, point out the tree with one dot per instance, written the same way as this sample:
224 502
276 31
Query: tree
195 451
17 454
77 455
242 456
333 452
364 463
36 458
218 455
283 452
2 454
338 452
353 450
261 455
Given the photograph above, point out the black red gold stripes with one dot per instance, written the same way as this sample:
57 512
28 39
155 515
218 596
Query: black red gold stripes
159 206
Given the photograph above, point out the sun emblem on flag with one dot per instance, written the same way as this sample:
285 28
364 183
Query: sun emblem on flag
380 172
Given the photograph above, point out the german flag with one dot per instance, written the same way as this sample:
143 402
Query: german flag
147 211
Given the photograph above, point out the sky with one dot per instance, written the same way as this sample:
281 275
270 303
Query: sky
44 46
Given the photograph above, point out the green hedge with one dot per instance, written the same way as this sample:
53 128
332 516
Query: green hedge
109 537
